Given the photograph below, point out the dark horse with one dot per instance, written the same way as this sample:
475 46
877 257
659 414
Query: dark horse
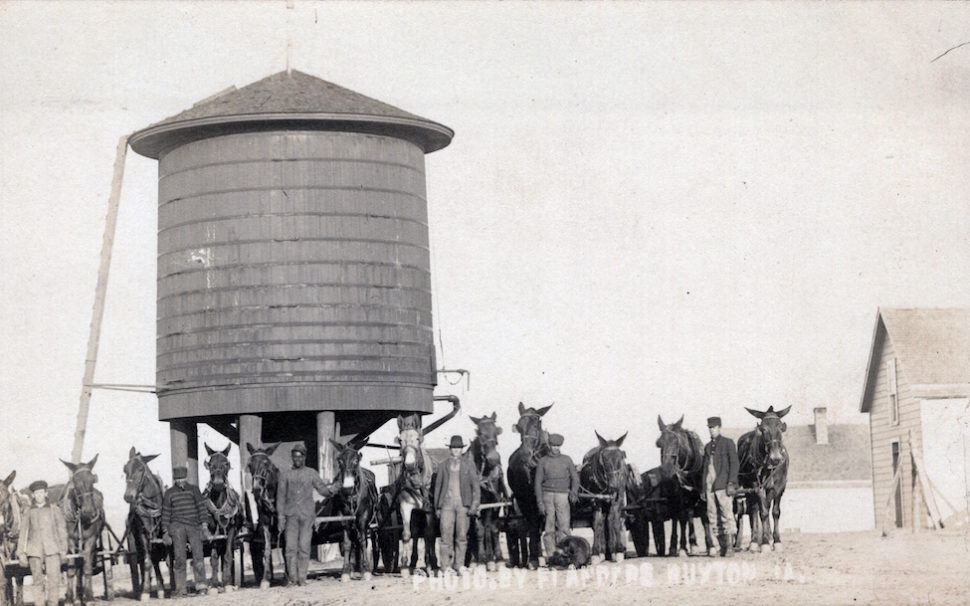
225 519
143 492
682 464
10 520
763 470
605 472
357 498
266 478
653 498
83 507
411 495
525 548
488 463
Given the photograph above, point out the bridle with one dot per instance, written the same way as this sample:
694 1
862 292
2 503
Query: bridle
223 514
262 474
765 469
73 494
683 459
605 477
144 506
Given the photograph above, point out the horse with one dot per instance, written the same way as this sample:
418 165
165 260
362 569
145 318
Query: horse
682 462
652 496
224 520
485 530
83 507
521 476
605 471
144 492
266 477
411 480
763 471
10 520
357 498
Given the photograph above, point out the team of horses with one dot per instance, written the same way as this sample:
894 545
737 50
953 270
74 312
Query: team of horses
613 496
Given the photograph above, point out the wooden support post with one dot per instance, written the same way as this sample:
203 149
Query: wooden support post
931 507
917 522
326 430
250 432
897 478
185 447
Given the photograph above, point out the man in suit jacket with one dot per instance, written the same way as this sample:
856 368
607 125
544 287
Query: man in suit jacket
43 540
720 484
457 496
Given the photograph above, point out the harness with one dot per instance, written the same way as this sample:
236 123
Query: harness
602 478
74 515
487 480
688 464
764 470
264 474
145 507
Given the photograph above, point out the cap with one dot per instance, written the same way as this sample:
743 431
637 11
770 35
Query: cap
180 473
299 447
555 439
456 442
714 421
38 485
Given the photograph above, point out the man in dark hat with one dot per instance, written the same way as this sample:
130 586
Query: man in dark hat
297 511
720 484
457 496
556 486
184 521
43 540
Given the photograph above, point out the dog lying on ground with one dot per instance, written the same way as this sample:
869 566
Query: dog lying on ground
572 552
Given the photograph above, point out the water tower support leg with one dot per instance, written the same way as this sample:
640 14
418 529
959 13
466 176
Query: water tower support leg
185 447
250 431
326 463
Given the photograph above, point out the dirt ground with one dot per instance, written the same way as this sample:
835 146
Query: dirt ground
851 568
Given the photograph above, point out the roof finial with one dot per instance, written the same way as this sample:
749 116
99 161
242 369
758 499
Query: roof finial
289 42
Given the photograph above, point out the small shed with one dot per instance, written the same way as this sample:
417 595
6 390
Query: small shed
916 391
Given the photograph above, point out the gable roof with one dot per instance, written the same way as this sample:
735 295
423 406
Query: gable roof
846 457
932 347
288 98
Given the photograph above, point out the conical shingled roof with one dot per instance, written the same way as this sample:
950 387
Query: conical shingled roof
288 99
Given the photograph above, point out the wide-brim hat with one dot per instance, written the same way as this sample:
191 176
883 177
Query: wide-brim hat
299 447
456 442
714 421
556 440
37 485
180 473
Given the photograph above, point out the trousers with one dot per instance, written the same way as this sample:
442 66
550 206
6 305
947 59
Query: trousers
299 536
557 520
182 534
46 573
454 534
720 511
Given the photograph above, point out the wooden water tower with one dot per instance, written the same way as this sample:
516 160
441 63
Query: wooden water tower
294 275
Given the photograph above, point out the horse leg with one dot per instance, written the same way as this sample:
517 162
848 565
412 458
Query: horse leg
406 510
616 532
659 537
708 539
754 521
764 511
598 539
684 532
367 564
535 542
776 515
672 551
348 564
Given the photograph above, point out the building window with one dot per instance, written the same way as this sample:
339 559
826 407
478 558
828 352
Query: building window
893 395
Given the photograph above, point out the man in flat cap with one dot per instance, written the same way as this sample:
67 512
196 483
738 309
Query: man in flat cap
297 511
720 485
184 521
556 486
457 495
43 540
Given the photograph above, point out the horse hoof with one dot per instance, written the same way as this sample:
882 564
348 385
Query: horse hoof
594 560
367 576
777 547
711 552
682 553
491 567
571 567
345 578
213 591
230 588
405 573
264 584
752 547
618 558
144 597
765 548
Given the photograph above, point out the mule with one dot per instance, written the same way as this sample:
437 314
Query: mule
763 471
224 520
265 478
411 480
484 531
144 492
83 507
357 498
10 521
605 472
525 546
682 462
652 496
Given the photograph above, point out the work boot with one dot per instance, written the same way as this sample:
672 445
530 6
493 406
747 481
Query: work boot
729 550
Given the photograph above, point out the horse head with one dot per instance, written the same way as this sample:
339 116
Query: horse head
612 463
487 438
769 433
348 463
136 474
218 465
263 471
81 489
409 437
529 425
673 446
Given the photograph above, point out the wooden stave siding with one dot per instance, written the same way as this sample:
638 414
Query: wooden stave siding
882 434
293 259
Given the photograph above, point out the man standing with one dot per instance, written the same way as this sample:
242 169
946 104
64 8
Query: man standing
43 540
184 520
720 484
297 511
556 486
457 496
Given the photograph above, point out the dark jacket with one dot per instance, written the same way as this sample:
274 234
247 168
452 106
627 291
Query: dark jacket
471 489
556 473
725 455
183 506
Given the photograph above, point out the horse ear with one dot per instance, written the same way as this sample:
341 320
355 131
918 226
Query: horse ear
206 463
784 426
400 422
660 422
755 413
208 450
132 453
271 449
476 420
397 439
784 412
679 422
94 477
148 458
336 444
619 442
515 429
603 443
521 409
249 448
226 451
9 480
93 461
498 430
494 416
363 442
544 410
70 466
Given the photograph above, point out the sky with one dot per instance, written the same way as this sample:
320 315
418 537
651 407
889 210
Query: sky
647 209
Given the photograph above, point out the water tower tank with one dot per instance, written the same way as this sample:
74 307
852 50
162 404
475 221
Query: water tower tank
293 261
